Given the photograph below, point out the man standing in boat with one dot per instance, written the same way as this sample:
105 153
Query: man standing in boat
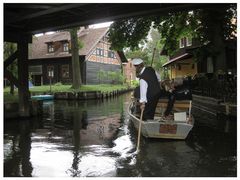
149 90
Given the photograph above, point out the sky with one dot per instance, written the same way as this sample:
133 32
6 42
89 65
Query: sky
94 26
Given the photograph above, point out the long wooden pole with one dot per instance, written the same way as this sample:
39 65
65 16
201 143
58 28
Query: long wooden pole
139 129
153 56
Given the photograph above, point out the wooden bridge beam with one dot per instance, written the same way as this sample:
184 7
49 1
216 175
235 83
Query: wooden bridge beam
11 59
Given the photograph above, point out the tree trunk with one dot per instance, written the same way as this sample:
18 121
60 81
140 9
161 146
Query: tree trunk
11 83
76 83
216 36
11 88
220 56
12 69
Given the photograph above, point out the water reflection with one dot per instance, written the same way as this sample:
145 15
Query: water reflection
17 149
96 138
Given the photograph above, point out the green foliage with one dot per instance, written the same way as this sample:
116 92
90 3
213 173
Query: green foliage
148 54
101 75
58 84
80 44
198 23
9 49
138 53
115 77
129 32
135 83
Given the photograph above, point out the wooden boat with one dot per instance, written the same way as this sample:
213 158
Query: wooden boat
176 128
43 97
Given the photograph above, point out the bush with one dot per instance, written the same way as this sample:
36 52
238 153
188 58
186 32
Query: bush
58 84
135 83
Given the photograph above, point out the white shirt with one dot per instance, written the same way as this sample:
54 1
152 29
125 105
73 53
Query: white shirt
144 86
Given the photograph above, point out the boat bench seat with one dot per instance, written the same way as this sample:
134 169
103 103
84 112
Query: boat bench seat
179 105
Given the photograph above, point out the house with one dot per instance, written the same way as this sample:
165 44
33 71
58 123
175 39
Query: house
129 71
183 63
50 57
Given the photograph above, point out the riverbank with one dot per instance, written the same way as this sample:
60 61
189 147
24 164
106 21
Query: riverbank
58 89
65 92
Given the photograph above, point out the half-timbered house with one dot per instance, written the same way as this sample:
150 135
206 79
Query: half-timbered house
50 57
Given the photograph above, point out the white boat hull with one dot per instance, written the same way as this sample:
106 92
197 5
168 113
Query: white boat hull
162 129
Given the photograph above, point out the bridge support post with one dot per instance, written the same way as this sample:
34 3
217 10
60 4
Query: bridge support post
23 90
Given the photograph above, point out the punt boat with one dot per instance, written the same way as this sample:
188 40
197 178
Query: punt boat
176 128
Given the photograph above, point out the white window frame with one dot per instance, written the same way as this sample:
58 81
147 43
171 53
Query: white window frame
65 47
189 41
181 43
50 48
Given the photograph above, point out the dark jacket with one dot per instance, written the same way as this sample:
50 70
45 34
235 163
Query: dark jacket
150 77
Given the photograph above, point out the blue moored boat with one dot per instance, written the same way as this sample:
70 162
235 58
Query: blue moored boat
43 97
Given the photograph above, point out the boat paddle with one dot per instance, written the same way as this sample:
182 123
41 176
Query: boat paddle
139 129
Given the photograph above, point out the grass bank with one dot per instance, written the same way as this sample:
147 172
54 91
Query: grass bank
63 88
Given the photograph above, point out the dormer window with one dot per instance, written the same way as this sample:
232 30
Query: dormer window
189 41
50 48
181 43
65 47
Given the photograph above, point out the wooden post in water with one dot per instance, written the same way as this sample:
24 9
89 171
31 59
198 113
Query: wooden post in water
226 129
23 90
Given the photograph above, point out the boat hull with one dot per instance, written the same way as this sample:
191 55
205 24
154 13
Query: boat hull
162 129
166 130
43 97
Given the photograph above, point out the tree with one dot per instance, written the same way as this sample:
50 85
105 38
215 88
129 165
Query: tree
137 53
149 50
128 32
211 26
77 81
154 47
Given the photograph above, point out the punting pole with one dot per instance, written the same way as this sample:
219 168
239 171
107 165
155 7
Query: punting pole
139 129
189 112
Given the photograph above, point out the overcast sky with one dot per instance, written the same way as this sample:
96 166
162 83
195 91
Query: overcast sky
99 25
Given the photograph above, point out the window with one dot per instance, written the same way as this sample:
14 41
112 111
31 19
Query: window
50 71
65 71
65 46
189 41
111 54
50 48
35 69
181 43
99 52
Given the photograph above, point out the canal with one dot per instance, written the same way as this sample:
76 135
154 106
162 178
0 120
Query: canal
97 139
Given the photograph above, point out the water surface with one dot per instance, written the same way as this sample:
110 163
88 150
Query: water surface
97 139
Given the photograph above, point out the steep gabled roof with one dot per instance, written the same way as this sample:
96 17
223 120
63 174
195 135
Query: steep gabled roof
89 37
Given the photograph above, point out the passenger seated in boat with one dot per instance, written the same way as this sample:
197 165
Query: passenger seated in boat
176 89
